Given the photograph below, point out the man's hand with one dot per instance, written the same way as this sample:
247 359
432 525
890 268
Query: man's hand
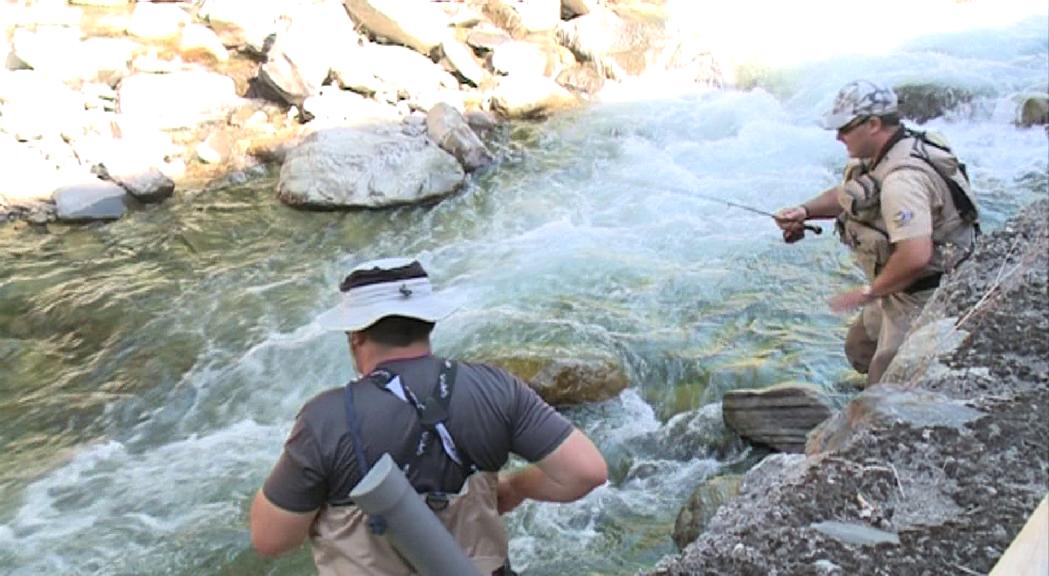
508 498
850 300
792 222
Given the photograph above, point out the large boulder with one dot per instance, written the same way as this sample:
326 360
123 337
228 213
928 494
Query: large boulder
461 58
417 24
520 58
922 102
60 52
620 44
529 97
447 127
34 177
779 416
177 100
704 502
567 381
1033 111
351 168
334 108
157 22
304 53
38 106
522 18
886 405
242 24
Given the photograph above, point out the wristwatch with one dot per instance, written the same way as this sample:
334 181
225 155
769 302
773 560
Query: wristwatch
866 291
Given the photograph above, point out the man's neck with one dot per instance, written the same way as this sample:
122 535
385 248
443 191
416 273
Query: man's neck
372 357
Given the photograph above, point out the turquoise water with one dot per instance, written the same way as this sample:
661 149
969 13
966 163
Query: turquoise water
152 366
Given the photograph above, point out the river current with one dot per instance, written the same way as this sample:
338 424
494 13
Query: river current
151 367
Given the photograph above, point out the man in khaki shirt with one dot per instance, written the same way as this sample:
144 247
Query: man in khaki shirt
906 210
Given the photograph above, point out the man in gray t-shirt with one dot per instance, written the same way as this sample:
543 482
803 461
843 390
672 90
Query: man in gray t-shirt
476 415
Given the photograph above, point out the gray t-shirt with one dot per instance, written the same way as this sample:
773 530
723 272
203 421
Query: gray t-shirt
491 414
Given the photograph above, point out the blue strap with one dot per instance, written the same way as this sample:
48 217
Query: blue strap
376 523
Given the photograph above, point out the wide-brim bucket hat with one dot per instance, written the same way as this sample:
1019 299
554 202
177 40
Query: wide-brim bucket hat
380 288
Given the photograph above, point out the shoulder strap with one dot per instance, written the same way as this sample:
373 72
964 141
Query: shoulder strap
961 200
377 524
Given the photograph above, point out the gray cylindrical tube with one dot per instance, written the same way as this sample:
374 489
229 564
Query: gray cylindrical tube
412 528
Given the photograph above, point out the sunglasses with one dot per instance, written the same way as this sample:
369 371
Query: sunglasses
852 125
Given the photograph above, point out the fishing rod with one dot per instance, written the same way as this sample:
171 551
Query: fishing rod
812 227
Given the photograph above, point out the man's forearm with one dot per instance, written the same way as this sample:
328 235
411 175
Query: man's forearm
532 484
824 205
908 260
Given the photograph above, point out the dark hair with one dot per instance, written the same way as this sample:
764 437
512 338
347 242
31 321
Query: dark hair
890 120
398 331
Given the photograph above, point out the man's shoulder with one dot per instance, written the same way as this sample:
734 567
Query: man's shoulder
325 406
485 372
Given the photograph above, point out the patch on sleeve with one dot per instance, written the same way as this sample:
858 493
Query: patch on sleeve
903 217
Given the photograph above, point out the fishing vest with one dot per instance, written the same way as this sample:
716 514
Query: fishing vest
955 225
346 541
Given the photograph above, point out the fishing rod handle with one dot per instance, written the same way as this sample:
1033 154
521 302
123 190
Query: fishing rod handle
815 229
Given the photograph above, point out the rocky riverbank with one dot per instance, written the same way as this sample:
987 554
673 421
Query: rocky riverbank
107 105
934 472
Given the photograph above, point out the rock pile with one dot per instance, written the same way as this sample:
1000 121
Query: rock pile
107 104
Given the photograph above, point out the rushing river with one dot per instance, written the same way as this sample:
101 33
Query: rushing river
150 368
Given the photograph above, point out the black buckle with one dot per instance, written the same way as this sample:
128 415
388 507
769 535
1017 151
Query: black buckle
437 501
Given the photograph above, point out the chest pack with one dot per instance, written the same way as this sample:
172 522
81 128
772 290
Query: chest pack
928 150
432 414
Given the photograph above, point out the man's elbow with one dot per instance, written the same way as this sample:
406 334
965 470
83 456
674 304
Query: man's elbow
265 547
592 474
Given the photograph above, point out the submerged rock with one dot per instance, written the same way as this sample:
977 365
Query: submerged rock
702 505
567 381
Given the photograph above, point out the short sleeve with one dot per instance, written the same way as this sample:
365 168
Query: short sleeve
906 205
297 482
537 429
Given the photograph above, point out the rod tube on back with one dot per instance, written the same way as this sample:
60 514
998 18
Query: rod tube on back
411 527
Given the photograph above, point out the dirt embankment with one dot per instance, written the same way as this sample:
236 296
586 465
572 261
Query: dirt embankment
934 473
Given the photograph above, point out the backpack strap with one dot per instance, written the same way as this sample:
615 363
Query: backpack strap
433 413
376 523
962 202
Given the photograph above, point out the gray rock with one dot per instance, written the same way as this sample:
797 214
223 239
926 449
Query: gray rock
446 126
884 405
303 54
701 507
923 102
462 58
148 186
524 97
414 23
855 534
352 168
97 200
177 100
1034 111
779 416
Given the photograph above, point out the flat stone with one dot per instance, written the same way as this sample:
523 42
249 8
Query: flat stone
98 200
855 534
779 416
